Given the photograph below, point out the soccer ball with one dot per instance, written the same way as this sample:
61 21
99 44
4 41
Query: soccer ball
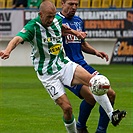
99 85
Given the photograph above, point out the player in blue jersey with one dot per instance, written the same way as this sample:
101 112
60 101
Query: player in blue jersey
73 48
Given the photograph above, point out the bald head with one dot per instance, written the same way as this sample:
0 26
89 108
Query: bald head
47 12
47 5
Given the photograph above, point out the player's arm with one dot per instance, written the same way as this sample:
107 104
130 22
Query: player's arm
66 30
4 54
87 48
79 34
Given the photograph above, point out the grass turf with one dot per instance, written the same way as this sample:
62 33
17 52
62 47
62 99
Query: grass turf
25 106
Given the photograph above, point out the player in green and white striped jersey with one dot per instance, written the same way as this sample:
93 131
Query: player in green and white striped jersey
47 55
53 68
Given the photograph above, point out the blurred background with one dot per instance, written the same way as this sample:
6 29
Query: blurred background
109 24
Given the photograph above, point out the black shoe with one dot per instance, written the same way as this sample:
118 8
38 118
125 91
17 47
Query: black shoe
117 117
82 130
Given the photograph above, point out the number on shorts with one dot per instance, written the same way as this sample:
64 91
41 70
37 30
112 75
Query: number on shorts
52 91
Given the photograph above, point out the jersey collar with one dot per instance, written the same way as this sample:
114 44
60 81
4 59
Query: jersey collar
61 14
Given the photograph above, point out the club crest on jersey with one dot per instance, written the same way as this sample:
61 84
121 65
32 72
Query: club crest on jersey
55 49
78 26
23 30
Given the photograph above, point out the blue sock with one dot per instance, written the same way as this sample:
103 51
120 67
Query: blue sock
85 110
103 121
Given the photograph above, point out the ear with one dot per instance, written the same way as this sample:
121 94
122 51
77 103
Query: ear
40 14
62 3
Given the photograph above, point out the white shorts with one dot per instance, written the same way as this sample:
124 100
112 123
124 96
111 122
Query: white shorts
54 84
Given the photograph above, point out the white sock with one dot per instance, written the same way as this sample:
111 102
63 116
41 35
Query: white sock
104 101
71 128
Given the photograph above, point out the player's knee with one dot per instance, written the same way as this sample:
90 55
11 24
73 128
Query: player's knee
111 94
66 106
68 109
90 99
87 95
67 112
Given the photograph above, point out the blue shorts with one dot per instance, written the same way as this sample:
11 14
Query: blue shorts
76 89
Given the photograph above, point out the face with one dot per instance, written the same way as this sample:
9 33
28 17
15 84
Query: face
69 8
47 17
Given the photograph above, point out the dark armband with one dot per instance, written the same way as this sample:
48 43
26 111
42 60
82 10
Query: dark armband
22 42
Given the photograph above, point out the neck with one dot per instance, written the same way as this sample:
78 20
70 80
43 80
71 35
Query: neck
65 15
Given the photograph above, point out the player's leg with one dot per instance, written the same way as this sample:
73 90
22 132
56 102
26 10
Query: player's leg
114 116
101 101
68 117
106 105
85 109
86 105
56 90
104 119
73 74
81 76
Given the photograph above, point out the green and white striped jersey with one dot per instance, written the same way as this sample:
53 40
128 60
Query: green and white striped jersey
47 49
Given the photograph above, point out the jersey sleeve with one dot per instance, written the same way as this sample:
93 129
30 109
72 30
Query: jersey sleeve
27 33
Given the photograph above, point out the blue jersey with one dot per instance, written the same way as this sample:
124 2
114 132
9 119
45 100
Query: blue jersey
72 45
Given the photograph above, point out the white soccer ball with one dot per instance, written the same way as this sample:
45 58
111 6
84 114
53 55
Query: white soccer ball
99 85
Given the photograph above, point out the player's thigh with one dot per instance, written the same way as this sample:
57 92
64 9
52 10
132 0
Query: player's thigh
81 76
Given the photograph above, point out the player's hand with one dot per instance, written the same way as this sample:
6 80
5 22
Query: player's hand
102 55
81 35
65 30
65 27
4 55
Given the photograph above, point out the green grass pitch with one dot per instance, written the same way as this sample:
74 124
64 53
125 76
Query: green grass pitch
25 106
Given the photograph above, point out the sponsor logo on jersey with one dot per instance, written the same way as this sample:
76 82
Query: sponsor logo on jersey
55 49
72 39
52 39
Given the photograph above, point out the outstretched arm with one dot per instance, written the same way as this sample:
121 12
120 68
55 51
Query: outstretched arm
66 30
87 48
4 54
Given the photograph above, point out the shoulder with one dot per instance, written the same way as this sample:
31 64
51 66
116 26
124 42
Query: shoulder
58 17
59 14
32 22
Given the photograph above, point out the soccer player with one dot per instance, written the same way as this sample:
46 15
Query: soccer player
53 68
73 48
